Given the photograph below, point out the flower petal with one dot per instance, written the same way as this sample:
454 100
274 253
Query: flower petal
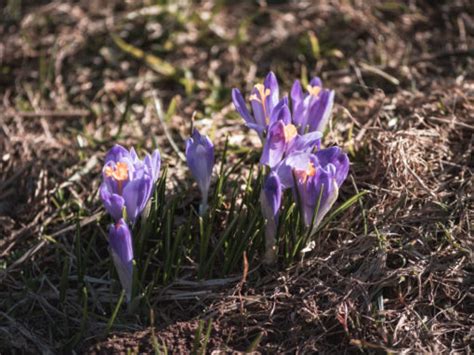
260 113
320 110
317 195
296 93
113 202
277 112
240 106
116 153
316 81
136 195
336 157
306 142
284 115
271 82
134 156
153 163
275 145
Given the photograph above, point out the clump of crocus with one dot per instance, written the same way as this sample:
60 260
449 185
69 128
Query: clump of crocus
121 249
314 178
292 150
128 182
200 159
127 186
270 199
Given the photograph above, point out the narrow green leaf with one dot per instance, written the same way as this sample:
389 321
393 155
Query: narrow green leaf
63 285
255 343
157 64
111 321
314 42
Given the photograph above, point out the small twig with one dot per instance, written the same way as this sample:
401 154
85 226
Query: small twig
52 114
412 172
82 223
444 54
377 71
159 113
460 124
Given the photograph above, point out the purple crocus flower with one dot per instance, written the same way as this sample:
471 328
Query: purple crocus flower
311 111
128 182
120 243
316 179
280 135
265 103
283 139
200 159
270 199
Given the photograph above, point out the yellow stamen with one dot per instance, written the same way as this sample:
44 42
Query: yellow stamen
254 97
290 132
262 91
314 90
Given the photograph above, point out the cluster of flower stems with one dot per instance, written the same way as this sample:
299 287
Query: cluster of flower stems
291 130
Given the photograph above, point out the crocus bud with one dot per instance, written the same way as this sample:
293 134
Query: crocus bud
121 249
128 182
270 200
200 159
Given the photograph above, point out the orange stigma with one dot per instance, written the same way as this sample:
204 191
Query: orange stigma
311 170
290 132
303 174
314 90
119 173
264 93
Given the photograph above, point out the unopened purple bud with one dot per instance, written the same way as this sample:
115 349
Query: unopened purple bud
200 159
270 200
113 202
121 249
